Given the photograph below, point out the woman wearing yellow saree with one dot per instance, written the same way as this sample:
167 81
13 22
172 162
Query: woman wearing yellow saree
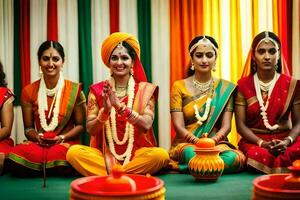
202 104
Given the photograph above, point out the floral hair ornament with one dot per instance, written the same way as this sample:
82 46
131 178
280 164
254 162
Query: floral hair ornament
268 39
204 41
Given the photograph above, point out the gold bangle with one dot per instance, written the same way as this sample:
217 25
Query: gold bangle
27 130
290 139
62 138
259 142
133 117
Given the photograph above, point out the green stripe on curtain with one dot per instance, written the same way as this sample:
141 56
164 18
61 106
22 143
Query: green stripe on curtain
144 31
85 49
17 54
144 34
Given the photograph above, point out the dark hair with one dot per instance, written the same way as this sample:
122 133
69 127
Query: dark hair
49 43
256 41
194 41
130 50
3 83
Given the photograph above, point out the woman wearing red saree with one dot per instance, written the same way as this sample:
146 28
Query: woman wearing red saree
268 109
202 104
120 114
6 118
53 114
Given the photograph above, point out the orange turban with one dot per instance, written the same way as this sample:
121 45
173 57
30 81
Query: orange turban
110 43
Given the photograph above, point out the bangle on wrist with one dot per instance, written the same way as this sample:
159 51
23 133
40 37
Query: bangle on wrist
290 139
62 138
259 142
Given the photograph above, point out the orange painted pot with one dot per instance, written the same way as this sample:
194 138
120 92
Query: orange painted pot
207 164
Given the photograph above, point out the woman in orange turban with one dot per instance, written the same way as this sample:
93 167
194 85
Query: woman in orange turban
120 115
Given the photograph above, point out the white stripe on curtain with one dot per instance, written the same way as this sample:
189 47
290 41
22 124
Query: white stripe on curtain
128 17
68 36
265 16
296 39
6 57
161 65
6 40
100 30
224 43
246 28
38 33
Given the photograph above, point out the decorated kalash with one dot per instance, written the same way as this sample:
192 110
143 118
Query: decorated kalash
278 186
207 165
117 186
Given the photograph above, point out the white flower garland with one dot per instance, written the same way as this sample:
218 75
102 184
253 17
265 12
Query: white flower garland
111 130
263 107
43 104
200 119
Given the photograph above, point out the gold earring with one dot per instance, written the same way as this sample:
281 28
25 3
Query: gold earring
40 71
193 67
214 69
131 71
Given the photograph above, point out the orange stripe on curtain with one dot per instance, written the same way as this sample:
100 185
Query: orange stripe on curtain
52 27
185 23
25 41
114 14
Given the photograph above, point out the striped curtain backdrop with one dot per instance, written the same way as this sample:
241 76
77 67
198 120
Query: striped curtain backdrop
163 27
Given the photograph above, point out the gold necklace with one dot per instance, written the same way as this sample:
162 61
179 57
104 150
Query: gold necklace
121 91
203 87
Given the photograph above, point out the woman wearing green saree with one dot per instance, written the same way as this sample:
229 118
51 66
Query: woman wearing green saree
202 104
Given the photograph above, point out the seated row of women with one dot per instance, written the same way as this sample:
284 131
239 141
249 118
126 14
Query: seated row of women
120 113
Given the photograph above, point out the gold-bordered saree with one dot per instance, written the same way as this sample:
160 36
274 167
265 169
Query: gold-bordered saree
183 101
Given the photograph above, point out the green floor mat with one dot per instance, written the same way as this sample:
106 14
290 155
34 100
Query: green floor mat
179 186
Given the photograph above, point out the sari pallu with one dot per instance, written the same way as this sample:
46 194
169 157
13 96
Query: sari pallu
143 93
222 100
284 95
32 155
6 96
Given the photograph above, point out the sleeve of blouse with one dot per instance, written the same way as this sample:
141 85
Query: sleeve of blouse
176 98
80 99
92 106
230 104
240 99
150 108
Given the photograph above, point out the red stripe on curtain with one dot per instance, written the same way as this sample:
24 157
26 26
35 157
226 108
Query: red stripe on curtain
52 27
285 30
25 41
114 14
